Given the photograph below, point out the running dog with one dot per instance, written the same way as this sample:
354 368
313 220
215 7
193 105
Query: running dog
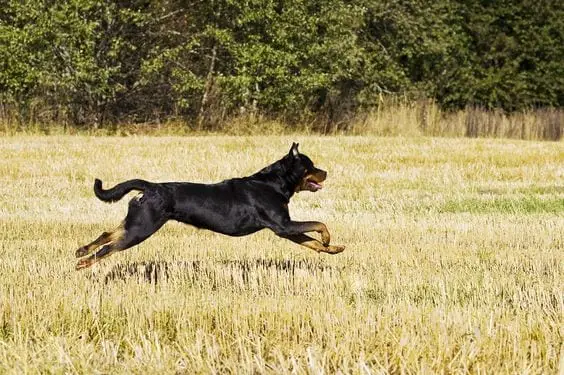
235 207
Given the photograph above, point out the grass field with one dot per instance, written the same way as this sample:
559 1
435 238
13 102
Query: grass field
454 261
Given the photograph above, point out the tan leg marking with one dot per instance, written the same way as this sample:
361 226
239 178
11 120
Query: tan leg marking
314 244
104 252
321 229
104 238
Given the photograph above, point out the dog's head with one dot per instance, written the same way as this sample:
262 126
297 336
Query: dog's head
309 177
293 173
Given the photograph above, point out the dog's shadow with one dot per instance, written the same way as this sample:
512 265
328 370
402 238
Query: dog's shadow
155 272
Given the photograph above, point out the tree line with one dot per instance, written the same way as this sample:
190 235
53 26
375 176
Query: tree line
89 63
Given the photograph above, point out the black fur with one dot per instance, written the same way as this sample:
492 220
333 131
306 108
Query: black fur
235 207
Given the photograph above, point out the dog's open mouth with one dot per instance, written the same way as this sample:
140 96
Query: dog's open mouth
312 181
313 185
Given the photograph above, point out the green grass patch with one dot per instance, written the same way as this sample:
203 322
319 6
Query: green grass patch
510 205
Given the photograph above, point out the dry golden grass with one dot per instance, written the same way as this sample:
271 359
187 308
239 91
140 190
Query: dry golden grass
393 116
454 261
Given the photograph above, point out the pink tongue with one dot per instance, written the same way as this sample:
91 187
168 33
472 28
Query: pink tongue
315 185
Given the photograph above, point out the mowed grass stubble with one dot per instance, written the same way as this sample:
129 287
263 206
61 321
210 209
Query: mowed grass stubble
453 262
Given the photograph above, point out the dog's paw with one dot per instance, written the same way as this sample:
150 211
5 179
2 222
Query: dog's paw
81 252
334 249
84 263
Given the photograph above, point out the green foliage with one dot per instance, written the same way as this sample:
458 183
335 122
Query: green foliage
516 51
91 62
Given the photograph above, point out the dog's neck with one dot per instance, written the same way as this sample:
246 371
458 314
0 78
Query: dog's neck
280 177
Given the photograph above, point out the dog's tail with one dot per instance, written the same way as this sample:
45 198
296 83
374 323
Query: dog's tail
117 192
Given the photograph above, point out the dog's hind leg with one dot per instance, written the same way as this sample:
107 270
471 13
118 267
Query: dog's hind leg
131 237
142 220
99 255
103 239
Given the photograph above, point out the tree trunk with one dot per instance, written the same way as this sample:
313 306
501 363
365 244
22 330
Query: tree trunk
207 88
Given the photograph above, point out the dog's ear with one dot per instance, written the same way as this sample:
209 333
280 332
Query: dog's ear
294 150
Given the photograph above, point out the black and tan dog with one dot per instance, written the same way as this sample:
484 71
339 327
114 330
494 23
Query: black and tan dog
234 207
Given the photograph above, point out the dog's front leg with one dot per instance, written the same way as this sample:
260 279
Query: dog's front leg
314 244
298 227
